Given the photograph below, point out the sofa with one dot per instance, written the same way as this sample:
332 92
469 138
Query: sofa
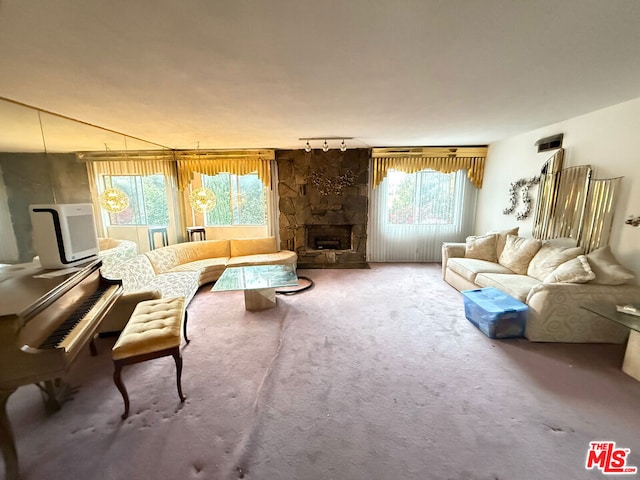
553 278
179 270
113 252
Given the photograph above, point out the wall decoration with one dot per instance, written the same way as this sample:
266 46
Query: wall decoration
633 221
327 185
523 184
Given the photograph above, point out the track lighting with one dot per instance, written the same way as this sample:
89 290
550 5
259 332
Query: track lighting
325 144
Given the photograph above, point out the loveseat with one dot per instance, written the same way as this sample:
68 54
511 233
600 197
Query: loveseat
179 270
553 279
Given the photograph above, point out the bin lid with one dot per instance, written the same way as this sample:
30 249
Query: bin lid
493 300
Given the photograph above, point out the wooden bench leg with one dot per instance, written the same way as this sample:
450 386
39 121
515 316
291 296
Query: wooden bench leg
178 359
117 378
184 327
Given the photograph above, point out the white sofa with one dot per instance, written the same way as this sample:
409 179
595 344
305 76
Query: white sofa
554 281
179 270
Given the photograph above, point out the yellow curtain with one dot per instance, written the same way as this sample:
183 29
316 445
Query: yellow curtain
151 162
441 159
133 167
188 164
181 164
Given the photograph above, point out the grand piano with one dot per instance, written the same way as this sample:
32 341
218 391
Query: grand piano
46 318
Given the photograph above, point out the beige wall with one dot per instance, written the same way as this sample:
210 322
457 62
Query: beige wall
606 139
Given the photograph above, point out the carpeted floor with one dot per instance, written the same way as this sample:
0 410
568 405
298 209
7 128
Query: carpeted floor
372 374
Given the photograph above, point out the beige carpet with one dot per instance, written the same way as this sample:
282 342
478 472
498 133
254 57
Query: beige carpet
373 374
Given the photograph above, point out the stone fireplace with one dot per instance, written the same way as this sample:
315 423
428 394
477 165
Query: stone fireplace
324 206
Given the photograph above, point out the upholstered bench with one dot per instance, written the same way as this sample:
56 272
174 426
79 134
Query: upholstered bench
153 331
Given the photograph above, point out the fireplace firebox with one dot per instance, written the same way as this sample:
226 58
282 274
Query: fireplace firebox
329 237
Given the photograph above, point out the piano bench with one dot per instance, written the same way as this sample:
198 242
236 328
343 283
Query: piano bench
153 331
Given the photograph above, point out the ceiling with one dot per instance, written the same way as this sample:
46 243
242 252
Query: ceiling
261 74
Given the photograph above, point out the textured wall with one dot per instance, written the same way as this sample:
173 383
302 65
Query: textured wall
40 178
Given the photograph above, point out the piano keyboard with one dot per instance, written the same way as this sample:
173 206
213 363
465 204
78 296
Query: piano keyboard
59 335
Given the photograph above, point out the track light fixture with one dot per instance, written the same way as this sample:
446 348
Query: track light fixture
325 144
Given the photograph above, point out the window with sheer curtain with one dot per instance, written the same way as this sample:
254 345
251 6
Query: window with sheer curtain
148 204
411 214
240 199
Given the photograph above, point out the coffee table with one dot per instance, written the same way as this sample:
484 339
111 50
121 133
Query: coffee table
631 363
258 282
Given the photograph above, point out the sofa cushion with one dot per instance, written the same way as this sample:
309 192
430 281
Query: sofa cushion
607 269
518 252
212 249
251 246
468 268
282 257
576 270
135 273
176 284
548 258
481 247
518 286
114 252
209 269
501 239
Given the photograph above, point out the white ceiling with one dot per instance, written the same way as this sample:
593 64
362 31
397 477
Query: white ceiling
260 74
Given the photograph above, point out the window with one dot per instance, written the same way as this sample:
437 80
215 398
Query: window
241 199
422 198
410 215
147 199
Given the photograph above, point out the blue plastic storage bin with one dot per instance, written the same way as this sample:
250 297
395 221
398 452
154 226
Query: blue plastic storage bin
495 313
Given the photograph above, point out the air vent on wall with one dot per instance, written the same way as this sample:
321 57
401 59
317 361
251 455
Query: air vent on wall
550 143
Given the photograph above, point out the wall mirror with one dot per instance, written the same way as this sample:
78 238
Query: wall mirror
38 164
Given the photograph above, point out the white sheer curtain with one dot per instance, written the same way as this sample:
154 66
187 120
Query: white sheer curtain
387 242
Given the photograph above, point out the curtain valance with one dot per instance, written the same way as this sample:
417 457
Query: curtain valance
238 163
442 159
181 164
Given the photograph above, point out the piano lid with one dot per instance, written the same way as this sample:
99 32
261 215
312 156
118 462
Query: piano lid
26 286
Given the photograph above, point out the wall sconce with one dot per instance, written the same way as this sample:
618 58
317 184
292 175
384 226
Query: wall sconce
325 144
633 221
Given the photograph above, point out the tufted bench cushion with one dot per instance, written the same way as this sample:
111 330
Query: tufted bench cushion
154 325
153 331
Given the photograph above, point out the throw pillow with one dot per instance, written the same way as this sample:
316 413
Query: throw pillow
576 270
502 239
518 252
482 247
607 268
548 258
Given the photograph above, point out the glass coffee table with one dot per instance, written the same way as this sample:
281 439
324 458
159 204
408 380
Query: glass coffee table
631 363
258 282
